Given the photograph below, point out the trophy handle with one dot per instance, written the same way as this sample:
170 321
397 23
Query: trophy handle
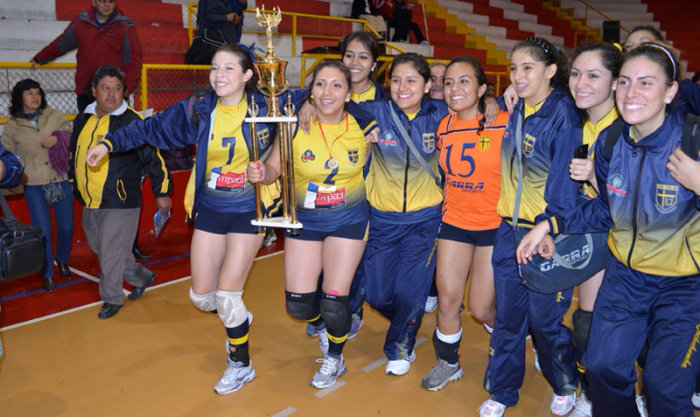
270 94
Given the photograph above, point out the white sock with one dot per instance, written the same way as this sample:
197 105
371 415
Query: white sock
449 338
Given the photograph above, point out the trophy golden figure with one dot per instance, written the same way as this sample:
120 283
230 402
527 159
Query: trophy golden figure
272 83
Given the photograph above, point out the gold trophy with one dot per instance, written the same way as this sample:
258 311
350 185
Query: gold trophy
272 83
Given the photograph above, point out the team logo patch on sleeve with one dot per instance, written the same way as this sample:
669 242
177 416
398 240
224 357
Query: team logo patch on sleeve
263 137
353 156
428 142
308 156
484 143
529 145
616 185
666 197
389 138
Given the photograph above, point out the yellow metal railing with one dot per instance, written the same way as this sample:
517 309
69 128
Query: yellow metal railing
176 82
56 79
590 6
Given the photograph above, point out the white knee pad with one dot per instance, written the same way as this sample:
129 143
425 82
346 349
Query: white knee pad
232 311
204 302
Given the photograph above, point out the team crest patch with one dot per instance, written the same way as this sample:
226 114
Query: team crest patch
529 145
263 137
484 143
353 156
666 197
308 156
428 142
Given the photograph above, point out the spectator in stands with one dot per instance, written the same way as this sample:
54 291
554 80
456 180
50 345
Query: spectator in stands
39 135
103 36
237 7
437 74
110 191
218 15
402 23
364 9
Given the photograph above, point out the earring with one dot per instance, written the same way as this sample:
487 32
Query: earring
667 100
311 96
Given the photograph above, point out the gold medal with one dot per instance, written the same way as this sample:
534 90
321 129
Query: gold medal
332 163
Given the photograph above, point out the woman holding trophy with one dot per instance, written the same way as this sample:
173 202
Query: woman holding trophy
224 243
328 165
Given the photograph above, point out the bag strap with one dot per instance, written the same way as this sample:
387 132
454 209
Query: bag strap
613 135
690 144
412 147
9 216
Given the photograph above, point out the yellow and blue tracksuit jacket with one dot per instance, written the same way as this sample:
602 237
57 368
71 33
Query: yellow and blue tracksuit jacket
397 183
547 133
116 182
655 221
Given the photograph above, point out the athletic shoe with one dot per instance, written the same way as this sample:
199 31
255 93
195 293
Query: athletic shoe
562 404
641 406
323 341
491 408
431 304
357 324
537 361
400 367
582 407
488 328
332 368
234 377
440 375
312 331
696 400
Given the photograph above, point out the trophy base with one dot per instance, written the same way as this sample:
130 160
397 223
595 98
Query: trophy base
280 222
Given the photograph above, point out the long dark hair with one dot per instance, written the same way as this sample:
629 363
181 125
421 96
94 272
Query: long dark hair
418 62
17 103
543 51
480 79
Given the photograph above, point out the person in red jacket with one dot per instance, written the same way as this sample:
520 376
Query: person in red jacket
103 36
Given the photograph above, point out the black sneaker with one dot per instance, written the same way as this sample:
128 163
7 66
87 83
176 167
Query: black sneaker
138 291
108 310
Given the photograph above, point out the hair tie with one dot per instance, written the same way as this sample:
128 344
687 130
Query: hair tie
668 54
618 46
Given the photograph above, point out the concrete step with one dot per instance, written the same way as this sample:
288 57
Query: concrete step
27 9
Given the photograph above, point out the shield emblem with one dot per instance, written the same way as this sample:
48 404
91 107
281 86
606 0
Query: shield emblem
666 197
428 142
484 143
528 144
353 156
263 138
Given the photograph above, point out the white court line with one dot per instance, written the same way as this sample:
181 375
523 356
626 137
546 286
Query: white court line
326 391
92 278
286 412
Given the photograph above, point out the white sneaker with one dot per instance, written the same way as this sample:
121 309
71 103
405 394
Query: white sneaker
562 404
537 361
491 408
323 341
696 400
331 369
582 407
488 328
431 304
234 377
641 406
400 367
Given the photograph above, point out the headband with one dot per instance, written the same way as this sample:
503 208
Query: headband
667 52
545 45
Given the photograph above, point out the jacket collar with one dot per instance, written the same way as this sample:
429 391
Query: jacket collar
660 136
90 109
549 106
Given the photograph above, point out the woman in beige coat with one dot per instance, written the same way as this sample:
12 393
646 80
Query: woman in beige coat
33 132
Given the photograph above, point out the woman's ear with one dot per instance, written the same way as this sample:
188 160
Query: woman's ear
482 90
550 71
247 75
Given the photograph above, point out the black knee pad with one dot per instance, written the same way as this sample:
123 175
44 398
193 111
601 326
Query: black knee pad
582 327
335 311
302 306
